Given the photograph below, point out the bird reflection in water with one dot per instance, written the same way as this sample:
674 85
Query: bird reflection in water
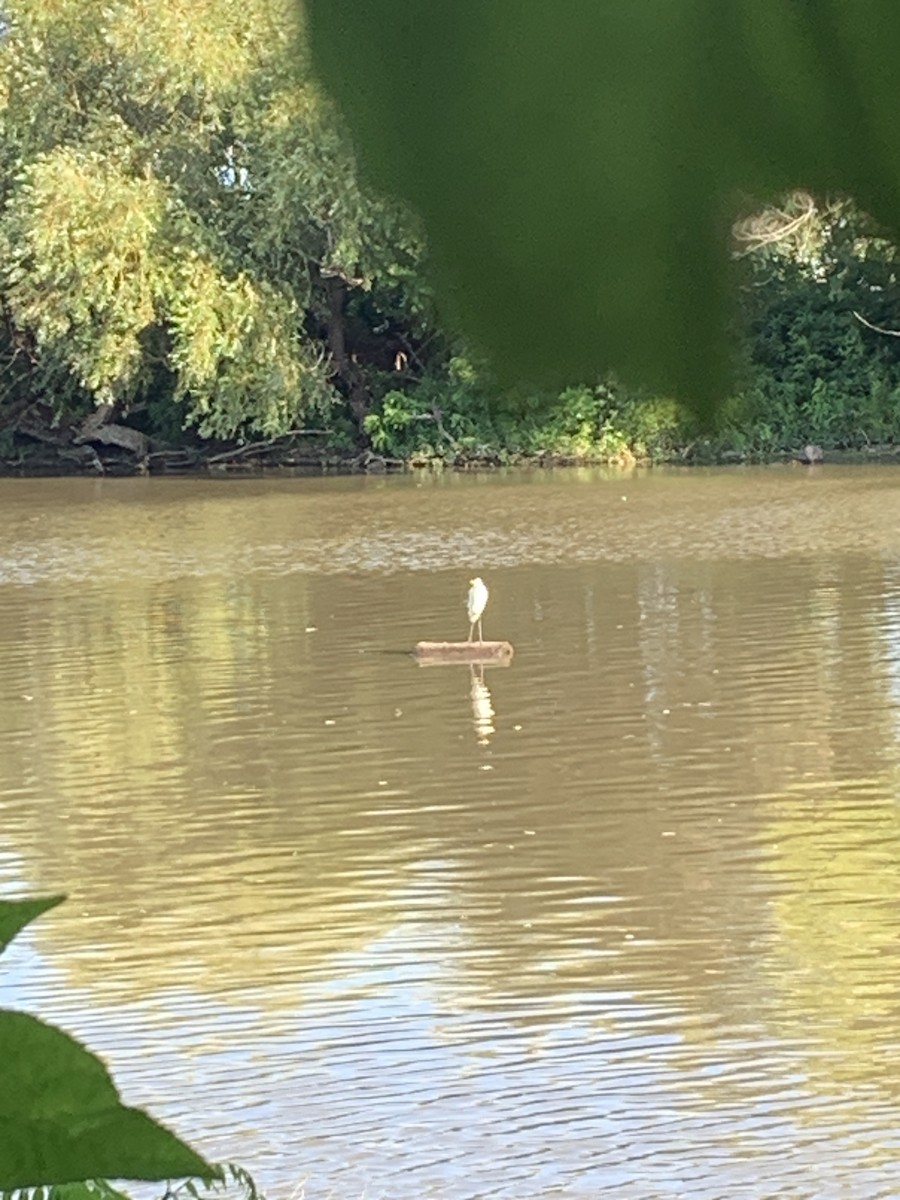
482 705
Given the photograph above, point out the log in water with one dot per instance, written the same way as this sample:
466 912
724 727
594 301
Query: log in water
464 652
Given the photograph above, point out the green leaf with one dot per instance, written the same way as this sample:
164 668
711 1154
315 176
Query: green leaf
16 914
89 1189
61 1119
578 168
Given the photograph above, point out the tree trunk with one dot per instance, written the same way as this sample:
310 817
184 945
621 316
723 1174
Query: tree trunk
349 375
97 427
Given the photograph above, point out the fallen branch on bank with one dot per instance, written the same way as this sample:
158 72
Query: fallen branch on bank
373 463
262 447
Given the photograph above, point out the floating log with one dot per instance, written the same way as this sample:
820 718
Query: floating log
496 653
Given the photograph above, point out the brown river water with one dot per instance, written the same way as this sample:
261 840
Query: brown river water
622 918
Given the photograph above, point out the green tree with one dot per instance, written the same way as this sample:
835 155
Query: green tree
182 229
816 288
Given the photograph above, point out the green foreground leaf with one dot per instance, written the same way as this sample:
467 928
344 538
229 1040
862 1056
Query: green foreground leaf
61 1119
578 167
16 914
89 1189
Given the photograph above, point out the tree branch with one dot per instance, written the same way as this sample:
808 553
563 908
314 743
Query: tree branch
876 328
253 447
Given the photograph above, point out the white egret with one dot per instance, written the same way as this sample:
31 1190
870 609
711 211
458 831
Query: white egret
476 602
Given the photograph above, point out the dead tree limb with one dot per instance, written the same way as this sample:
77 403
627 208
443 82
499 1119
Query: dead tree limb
254 447
875 328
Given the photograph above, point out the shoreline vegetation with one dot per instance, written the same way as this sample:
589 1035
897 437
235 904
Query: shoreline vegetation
195 278
585 427
294 455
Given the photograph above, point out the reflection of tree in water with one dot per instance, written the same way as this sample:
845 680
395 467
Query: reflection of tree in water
193 814
749 697
289 799
832 967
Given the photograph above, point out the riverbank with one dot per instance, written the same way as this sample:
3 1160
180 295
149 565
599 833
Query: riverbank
466 431
299 457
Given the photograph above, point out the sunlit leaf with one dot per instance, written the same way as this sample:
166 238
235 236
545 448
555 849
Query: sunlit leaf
16 914
61 1119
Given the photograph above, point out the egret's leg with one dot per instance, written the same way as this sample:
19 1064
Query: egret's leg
480 634
471 630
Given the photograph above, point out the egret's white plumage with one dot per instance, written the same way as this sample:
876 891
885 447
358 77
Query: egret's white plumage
476 602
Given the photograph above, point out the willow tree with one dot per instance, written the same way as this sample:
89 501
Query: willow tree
181 219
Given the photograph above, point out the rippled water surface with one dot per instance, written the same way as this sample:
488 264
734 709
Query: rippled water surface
622 918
